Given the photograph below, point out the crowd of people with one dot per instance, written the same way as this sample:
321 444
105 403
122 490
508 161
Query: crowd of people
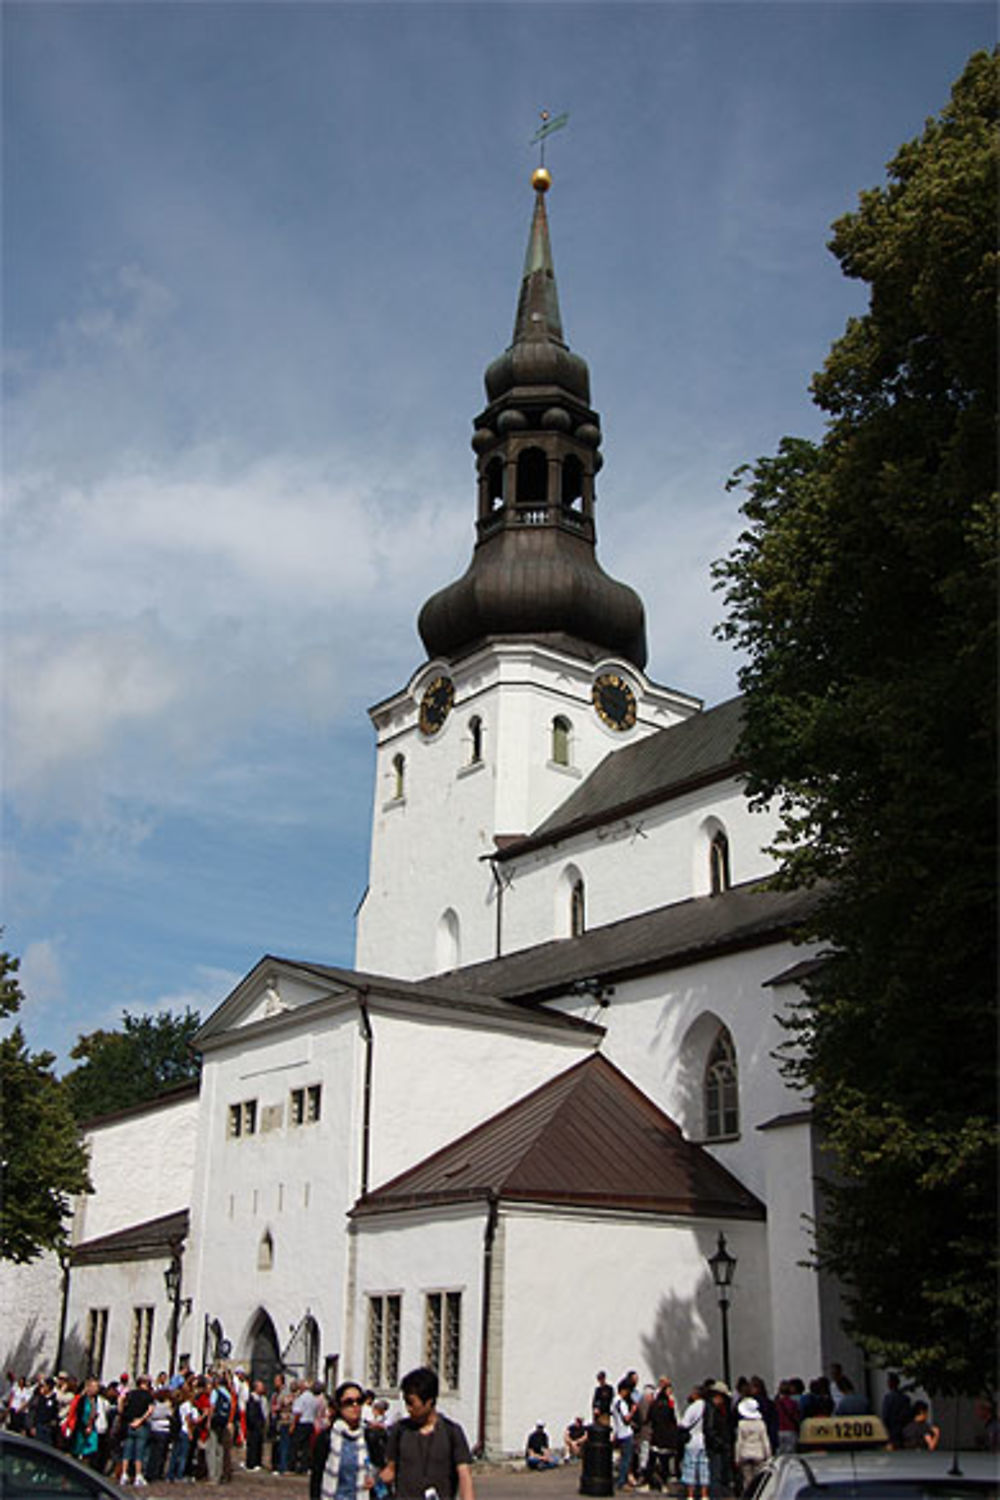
186 1428
715 1440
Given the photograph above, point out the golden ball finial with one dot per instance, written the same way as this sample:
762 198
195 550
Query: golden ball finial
541 179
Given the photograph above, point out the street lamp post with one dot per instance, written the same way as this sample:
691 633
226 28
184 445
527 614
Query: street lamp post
172 1281
723 1267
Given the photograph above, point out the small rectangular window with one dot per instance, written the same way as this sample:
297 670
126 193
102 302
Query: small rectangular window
297 1111
313 1101
97 1337
141 1341
235 1124
443 1336
383 1341
250 1117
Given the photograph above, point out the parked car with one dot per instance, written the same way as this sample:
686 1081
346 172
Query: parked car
30 1470
876 1474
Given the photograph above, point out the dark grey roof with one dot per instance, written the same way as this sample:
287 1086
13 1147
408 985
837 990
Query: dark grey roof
748 916
552 1147
443 991
146 1241
697 751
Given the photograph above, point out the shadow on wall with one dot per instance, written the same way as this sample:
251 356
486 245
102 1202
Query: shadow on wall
35 1354
678 1344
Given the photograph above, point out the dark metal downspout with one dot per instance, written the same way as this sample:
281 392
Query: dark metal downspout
64 1261
489 1237
498 882
366 1107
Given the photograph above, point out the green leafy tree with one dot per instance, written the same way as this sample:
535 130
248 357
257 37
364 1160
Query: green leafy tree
863 593
148 1056
43 1163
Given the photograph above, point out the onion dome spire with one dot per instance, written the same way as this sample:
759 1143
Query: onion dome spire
534 572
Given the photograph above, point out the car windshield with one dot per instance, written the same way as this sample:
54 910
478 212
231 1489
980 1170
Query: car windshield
956 1488
38 1474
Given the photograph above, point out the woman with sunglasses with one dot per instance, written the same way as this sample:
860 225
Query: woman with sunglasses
341 1467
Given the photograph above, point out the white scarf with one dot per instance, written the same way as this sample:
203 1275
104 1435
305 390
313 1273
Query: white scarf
340 1434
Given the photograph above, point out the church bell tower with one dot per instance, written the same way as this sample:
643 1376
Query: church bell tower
535 657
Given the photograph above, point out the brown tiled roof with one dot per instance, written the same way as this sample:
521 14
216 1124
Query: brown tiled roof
748 916
558 1146
146 1241
697 751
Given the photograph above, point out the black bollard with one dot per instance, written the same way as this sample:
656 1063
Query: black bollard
597 1474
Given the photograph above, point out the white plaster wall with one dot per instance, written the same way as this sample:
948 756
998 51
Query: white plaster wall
795 1289
30 1304
296 1182
427 848
412 1256
636 864
587 1292
433 1082
121 1286
141 1168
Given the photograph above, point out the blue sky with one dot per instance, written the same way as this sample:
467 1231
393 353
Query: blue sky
256 260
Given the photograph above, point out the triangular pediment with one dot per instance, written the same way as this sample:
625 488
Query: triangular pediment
272 994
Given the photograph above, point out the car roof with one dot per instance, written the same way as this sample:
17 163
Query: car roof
795 1471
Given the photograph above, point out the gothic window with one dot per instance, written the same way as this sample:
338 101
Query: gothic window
532 477
475 740
577 909
398 777
722 1106
560 741
265 1252
718 860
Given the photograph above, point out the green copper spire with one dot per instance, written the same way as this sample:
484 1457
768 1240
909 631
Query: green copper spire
538 304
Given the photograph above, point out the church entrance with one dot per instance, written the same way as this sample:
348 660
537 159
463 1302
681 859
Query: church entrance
265 1360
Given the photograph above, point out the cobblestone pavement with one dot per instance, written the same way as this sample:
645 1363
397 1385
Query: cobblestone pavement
493 1482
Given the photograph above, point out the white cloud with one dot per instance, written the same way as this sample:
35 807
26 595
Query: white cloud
41 973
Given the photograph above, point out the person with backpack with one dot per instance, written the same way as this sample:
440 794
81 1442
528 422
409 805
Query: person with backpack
219 1448
428 1454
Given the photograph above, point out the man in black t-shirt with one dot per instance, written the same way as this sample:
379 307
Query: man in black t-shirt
427 1453
604 1395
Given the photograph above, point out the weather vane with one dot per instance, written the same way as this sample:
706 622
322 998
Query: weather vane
546 128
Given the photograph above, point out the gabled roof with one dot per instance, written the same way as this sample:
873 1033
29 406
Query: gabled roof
445 993
685 756
146 1241
748 916
557 1146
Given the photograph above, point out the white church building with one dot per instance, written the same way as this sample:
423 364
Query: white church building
508 1142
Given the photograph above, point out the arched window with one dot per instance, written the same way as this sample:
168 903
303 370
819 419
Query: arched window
577 909
475 740
722 1104
265 1252
718 863
532 477
561 729
448 941
572 483
398 777
494 484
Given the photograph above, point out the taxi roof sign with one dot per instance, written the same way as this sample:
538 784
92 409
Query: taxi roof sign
843 1432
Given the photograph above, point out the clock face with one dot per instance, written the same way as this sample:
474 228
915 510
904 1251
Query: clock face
436 703
614 701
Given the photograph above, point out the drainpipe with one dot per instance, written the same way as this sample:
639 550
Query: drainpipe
366 1106
64 1262
498 882
489 1238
